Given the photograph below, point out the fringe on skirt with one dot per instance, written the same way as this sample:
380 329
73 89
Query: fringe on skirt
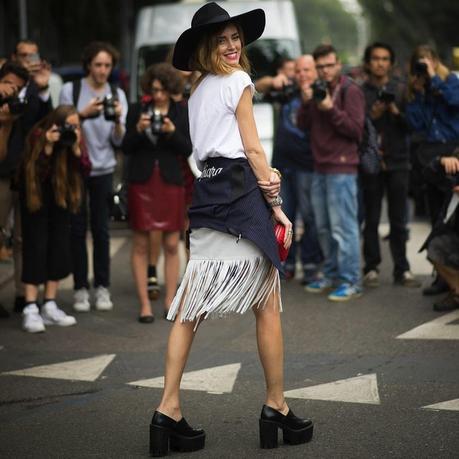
223 277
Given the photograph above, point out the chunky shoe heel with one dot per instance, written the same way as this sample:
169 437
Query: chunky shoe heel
295 430
296 437
159 441
268 434
167 433
186 445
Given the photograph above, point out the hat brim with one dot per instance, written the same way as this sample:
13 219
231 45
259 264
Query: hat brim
252 24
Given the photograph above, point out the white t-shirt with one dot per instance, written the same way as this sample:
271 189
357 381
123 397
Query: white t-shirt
212 110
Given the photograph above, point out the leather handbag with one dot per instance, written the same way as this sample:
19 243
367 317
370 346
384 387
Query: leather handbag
279 232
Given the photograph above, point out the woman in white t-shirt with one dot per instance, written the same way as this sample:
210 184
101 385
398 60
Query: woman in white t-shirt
234 258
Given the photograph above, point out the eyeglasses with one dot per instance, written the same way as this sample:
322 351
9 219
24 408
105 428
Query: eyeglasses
156 90
325 66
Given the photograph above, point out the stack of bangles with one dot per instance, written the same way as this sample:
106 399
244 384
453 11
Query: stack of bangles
277 201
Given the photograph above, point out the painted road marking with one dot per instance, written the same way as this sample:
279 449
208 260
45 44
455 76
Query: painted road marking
77 370
439 328
360 389
216 380
450 405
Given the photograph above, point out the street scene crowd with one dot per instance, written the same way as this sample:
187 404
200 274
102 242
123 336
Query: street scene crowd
343 144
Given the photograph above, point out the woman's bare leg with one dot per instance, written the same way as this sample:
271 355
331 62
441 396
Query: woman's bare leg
171 265
155 247
178 349
450 275
139 260
31 293
271 352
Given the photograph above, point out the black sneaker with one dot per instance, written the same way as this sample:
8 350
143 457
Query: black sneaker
153 288
438 286
449 303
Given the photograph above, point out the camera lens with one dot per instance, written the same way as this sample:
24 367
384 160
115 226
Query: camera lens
109 108
157 120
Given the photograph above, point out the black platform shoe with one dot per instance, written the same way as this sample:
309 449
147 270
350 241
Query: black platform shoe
166 433
295 429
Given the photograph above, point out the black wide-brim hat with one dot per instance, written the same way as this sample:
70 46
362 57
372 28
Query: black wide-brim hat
210 16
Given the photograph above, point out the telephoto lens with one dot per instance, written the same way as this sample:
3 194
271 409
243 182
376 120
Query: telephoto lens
157 121
420 69
109 107
17 105
319 90
386 96
68 135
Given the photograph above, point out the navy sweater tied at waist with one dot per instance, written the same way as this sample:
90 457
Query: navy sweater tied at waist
227 198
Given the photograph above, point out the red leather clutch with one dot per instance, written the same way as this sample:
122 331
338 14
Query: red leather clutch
279 232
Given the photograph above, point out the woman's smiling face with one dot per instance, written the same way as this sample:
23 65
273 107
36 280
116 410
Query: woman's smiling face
229 45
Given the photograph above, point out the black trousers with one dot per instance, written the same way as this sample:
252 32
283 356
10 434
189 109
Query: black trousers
45 240
98 189
395 184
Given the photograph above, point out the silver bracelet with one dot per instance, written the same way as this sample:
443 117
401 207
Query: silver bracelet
277 201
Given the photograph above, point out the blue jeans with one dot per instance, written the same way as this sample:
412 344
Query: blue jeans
334 200
296 193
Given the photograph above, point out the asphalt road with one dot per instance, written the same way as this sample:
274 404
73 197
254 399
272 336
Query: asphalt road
86 405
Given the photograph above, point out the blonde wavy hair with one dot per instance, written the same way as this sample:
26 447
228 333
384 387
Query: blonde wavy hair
66 178
420 52
206 59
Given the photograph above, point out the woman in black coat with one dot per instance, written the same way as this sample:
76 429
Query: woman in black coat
157 136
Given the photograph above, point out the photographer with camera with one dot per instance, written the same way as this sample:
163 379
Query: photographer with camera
50 189
333 111
102 109
384 98
13 78
292 156
279 88
157 136
433 113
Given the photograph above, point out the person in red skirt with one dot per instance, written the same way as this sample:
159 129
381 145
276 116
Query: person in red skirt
157 135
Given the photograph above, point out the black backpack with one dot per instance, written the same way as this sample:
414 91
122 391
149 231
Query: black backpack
370 159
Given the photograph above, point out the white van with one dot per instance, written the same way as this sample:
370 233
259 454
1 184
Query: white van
158 28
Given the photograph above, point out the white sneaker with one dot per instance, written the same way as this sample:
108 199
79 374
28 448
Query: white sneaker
52 315
81 300
32 321
371 279
103 301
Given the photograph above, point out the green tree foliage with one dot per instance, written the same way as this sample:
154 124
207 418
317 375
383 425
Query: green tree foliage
407 23
325 21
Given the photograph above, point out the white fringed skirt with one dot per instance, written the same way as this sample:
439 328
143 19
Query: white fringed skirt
224 275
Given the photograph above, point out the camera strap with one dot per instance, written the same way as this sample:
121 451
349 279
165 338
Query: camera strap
76 90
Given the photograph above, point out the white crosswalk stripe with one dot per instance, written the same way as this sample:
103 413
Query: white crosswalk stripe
450 405
439 328
76 370
359 389
216 380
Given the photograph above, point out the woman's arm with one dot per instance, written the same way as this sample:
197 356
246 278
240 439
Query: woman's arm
257 158
252 145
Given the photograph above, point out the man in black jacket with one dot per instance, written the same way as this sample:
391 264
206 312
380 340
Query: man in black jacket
384 104
13 78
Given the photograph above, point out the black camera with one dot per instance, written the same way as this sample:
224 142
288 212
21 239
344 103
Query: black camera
17 105
419 69
157 121
385 95
284 95
109 107
68 135
319 90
